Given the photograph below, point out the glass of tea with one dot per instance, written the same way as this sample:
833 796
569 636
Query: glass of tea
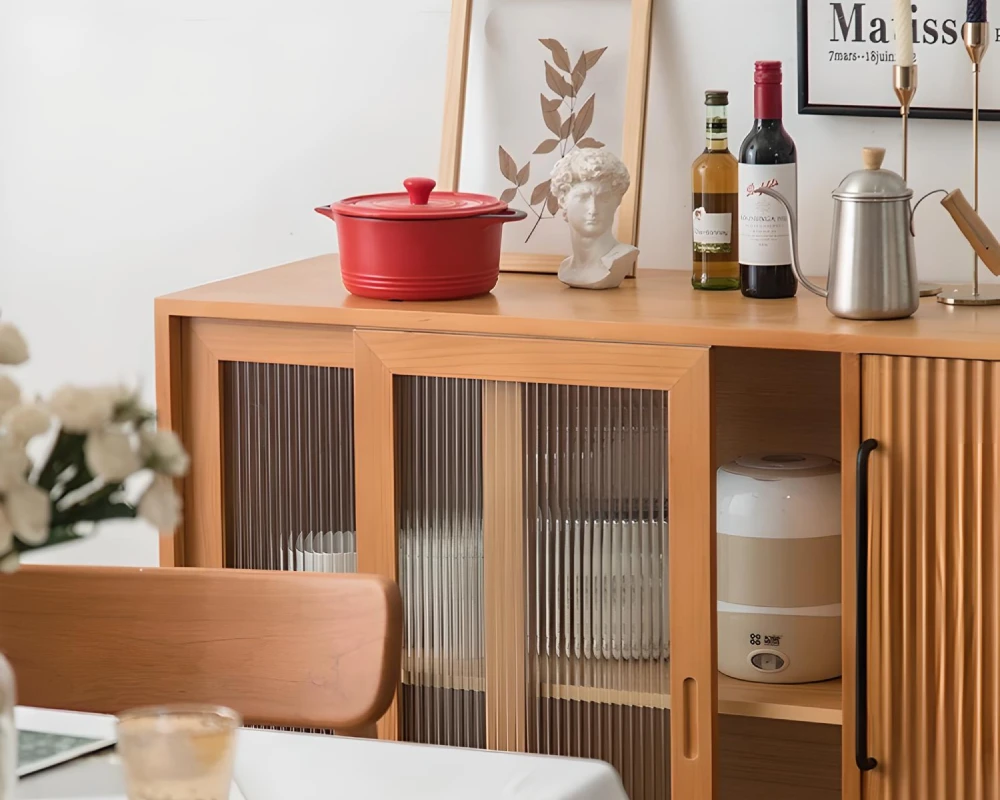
179 752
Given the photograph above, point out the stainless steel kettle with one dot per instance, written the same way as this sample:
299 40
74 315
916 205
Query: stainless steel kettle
873 265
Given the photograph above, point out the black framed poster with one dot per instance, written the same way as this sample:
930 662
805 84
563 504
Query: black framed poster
847 49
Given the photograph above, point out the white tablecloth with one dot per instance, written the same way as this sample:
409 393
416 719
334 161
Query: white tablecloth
272 765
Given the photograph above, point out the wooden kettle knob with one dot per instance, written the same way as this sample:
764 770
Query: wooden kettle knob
873 157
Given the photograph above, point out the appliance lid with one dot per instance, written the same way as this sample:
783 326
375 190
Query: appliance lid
782 466
419 202
873 182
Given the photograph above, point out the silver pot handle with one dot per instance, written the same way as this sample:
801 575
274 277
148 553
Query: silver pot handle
913 211
793 235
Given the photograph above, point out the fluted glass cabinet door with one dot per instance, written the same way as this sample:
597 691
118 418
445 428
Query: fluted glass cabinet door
546 507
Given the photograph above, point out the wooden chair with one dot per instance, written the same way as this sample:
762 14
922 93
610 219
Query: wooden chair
291 649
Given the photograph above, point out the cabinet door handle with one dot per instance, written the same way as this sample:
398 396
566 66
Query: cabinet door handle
864 761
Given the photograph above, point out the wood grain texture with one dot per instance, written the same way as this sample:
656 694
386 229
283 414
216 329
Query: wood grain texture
693 623
658 307
308 650
634 136
934 632
375 482
454 95
850 440
169 411
270 343
527 262
203 487
770 401
531 360
504 568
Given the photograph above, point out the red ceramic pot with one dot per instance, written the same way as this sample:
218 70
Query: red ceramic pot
418 245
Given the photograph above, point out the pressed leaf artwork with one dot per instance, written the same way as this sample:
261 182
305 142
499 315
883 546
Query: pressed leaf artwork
566 119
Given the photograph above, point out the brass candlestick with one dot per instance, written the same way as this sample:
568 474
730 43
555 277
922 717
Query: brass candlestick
976 36
904 81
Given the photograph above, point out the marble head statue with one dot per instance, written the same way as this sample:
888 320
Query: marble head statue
589 185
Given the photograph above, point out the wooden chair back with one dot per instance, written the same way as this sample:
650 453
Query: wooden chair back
291 649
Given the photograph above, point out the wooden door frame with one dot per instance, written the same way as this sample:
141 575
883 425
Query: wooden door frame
189 356
686 374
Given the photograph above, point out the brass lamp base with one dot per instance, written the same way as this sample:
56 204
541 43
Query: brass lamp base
965 296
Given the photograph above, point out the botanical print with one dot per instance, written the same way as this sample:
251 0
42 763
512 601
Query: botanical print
566 121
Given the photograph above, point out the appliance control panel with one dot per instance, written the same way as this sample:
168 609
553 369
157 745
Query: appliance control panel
768 660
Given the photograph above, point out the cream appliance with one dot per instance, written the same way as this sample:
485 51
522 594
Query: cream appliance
778 528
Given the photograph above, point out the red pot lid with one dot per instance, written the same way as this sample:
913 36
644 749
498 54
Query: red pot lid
418 202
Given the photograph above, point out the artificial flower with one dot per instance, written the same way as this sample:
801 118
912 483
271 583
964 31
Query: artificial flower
29 513
14 463
110 455
25 421
160 505
10 394
6 531
162 451
13 348
82 410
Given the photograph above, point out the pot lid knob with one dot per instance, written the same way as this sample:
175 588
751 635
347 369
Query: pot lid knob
419 190
873 157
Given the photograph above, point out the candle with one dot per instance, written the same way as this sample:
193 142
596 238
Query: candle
903 20
976 11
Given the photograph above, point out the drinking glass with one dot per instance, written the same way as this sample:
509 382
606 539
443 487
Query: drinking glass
181 752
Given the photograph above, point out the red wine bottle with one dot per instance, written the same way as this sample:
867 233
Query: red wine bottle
767 158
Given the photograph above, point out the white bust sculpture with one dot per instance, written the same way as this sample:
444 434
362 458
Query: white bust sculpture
589 185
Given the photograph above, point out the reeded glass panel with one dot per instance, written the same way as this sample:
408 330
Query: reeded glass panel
439 457
597 602
289 458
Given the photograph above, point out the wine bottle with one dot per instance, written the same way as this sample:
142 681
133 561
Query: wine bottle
767 158
714 203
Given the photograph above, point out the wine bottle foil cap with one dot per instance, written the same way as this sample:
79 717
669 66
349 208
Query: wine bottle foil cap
716 97
767 72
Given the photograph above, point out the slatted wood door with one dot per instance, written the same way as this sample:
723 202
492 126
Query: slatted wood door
521 492
933 638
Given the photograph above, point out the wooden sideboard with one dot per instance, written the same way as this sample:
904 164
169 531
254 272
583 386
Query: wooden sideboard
537 469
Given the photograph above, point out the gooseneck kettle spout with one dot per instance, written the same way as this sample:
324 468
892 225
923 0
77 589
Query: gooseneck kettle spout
793 228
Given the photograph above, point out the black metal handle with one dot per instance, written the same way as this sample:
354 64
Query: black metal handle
864 761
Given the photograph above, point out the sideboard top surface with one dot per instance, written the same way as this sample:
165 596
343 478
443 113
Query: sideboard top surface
658 307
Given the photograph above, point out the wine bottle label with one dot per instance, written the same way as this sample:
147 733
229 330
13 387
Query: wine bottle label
763 228
713 233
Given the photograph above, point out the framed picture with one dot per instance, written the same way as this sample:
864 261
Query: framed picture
529 81
846 52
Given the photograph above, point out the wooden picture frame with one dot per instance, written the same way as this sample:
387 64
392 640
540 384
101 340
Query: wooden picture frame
633 136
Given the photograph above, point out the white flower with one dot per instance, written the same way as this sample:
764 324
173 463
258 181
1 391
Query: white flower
126 405
14 463
82 410
29 513
10 394
10 562
163 452
161 505
6 532
110 455
13 348
25 421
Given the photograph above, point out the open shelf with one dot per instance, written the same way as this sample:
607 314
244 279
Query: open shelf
645 684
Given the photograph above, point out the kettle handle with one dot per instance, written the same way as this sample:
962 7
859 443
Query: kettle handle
793 226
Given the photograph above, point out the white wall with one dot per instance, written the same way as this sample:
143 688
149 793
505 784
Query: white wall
149 146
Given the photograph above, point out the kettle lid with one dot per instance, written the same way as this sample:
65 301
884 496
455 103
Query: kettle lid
873 182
